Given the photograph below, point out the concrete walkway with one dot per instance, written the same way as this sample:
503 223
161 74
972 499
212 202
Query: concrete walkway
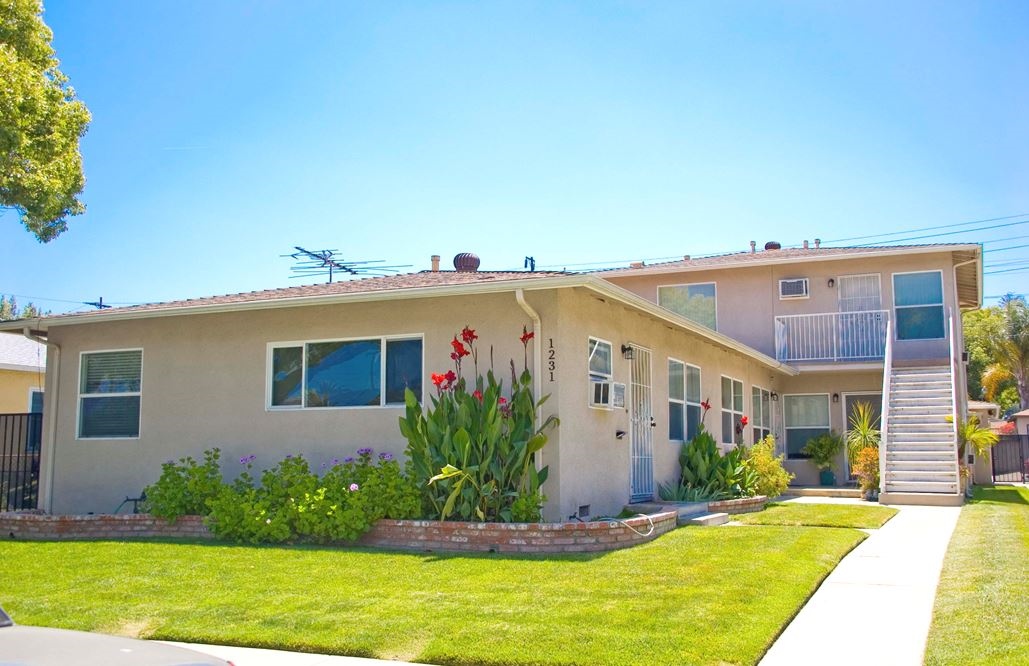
876 606
243 656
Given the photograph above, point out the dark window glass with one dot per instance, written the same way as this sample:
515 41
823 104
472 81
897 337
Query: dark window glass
287 375
403 369
675 421
114 416
692 420
797 438
344 374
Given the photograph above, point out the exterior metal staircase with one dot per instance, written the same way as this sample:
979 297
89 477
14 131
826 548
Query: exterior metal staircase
920 465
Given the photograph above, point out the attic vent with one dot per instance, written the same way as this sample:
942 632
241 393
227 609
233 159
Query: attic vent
795 288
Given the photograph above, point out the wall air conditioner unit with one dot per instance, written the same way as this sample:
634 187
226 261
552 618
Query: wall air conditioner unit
795 288
607 395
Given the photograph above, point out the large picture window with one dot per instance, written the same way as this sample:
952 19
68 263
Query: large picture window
369 372
732 408
805 417
696 302
110 388
683 400
918 302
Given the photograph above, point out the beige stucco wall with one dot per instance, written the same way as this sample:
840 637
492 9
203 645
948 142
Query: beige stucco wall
747 298
15 387
204 385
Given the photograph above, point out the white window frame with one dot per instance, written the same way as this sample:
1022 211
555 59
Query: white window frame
81 395
688 285
754 415
598 376
269 374
839 291
799 297
942 305
786 428
743 398
680 404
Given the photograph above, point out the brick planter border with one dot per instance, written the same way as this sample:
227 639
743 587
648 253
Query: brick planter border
416 535
741 505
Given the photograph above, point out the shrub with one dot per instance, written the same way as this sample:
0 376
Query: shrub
707 474
866 467
772 478
185 487
824 449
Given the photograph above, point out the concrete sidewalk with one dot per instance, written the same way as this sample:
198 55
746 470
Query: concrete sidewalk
243 656
876 606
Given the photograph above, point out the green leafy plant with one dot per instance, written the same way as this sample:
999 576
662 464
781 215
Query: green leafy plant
185 487
824 449
472 453
709 475
864 430
973 435
772 477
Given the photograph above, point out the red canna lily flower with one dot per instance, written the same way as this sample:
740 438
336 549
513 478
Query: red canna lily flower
526 335
744 421
450 376
477 395
438 379
501 401
706 404
468 335
459 348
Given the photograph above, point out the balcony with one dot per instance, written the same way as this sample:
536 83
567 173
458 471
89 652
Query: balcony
831 336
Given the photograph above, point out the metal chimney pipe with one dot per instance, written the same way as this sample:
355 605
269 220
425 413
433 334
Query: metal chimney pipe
805 245
435 263
753 247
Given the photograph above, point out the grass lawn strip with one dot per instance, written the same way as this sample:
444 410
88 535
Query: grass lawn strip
693 596
982 603
820 515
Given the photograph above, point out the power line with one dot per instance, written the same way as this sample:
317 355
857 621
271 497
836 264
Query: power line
1004 249
946 233
942 226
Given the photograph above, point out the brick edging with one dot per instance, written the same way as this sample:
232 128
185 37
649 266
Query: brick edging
418 535
741 505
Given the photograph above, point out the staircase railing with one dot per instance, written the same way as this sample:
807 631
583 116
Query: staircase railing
884 417
955 359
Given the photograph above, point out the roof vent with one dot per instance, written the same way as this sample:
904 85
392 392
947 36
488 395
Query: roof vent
805 244
753 245
434 259
818 243
636 264
773 245
466 262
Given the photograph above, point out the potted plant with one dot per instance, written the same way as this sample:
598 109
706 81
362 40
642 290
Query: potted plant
823 450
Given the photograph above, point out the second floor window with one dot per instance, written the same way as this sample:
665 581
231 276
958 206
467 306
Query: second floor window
918 302
696 302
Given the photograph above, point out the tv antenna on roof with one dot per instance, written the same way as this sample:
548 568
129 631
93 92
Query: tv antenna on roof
324 262
99 304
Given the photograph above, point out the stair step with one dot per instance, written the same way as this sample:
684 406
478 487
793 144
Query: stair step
934 372
933 465
940 487
924 410
919 434
709 519
917 476
922 455
905 401
925 499
931 395
915 382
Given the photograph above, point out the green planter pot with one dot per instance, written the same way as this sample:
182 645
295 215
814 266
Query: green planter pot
826 477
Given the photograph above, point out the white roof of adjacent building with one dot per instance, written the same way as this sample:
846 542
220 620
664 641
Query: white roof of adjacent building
19 353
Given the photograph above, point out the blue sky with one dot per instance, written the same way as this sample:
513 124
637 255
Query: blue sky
225 133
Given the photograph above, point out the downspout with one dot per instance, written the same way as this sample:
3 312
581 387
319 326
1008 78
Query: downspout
53 360
537 358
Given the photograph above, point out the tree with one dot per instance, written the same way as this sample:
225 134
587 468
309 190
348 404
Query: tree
41 123
9 310
981 328
1007 344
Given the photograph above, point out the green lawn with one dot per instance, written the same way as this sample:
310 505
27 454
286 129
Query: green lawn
694 596
871 516
982 604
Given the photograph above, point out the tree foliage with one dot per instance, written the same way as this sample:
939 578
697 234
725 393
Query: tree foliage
9 310
41 123
998 345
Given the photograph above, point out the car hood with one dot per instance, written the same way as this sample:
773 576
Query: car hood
42 646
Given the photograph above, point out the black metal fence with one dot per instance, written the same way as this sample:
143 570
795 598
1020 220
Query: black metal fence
1011 458
20 437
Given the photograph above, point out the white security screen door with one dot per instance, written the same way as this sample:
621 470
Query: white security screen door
862 323
641 426
860 293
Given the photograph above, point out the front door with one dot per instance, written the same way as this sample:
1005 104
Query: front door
641 426
862 325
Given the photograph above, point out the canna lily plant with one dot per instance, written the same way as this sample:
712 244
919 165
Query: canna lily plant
473 451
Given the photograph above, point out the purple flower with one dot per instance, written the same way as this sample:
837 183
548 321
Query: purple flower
364 452
289 456
354 487
385 456
246 460
324 465
348 459
335 461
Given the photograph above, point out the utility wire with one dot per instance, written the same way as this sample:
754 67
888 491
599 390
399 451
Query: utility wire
942 226
946 233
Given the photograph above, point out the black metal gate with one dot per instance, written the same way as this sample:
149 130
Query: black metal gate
1010 458
20 437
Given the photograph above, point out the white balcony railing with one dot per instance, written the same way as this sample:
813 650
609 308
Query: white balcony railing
831 336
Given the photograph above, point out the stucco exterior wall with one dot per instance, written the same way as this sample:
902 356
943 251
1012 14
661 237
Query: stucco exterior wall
15 387
747 298
839 383
204 385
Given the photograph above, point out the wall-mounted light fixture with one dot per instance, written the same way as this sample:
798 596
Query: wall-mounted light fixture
835 397
775 397
619 434
627 352
832 282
